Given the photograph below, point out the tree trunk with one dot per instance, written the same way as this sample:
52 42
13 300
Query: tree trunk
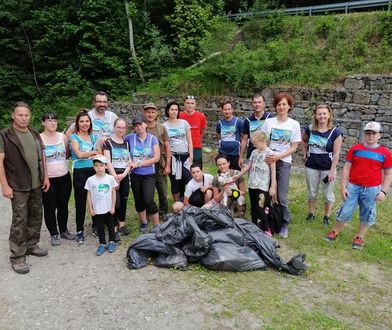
131 45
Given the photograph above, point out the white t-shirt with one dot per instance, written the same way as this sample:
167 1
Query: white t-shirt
281 135
101 192
193 185
259 174
177 135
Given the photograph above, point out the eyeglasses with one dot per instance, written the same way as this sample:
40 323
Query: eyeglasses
190 97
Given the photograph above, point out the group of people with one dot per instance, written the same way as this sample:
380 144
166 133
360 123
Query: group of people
107 162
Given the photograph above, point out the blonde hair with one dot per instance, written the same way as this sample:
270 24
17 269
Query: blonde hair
315 125
258 136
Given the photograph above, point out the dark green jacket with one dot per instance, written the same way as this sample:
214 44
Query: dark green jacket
15 165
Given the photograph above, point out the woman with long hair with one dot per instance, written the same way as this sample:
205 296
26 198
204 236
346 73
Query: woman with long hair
321 143
116 151
83 147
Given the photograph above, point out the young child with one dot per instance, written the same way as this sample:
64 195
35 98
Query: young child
262 181
101 201
363 183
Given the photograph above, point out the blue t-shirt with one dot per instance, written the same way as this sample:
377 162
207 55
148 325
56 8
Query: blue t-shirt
83 146
230 132
251 125
320 147
140 151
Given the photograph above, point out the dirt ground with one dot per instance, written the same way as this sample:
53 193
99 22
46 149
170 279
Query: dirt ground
71 288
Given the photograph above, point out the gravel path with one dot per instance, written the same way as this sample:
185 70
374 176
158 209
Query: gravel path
71 288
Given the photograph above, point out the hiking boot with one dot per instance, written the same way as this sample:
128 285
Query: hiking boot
55 240
357 243
310 217
35 250
143 228
326 221
80 237
67 235
284 232
124 231
117 238
331 236
112 247
101 250
21 267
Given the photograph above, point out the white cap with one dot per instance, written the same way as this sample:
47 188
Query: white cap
373 126
101 158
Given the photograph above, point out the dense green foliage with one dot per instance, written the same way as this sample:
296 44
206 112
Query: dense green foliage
59 52
312 51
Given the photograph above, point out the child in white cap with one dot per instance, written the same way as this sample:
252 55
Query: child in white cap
366 177
101 201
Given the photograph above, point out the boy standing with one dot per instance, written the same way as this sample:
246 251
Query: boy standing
363 183
101 201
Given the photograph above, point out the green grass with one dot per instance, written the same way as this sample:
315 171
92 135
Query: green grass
342 289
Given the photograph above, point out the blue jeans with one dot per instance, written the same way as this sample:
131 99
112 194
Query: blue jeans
365 197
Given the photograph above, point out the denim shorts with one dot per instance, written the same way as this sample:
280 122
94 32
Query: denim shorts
365 197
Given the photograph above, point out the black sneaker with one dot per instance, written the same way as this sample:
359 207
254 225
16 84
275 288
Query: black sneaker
124 231
310 217
117 238
80 237
326 221
143 228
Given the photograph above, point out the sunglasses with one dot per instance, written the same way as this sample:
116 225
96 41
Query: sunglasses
190 97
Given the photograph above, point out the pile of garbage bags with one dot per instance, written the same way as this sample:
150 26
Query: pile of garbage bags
213 238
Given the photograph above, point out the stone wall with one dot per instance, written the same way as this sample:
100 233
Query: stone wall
355 101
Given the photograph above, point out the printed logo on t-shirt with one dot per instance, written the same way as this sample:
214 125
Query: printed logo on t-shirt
120 157
101 127
176 133
55 153
317 144
141 153
228 132
254 125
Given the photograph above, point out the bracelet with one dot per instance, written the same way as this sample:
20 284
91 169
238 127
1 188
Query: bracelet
383 192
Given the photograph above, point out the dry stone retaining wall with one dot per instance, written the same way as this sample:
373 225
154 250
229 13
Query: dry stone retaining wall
355 101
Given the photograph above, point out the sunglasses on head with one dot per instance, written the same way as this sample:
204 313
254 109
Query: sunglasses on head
190 97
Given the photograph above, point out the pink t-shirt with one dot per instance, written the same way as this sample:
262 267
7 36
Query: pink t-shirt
55 153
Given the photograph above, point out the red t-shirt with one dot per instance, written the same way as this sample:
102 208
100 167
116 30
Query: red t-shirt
367 164
198 123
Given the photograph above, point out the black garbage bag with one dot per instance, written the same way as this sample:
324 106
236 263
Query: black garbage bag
245 227
219 216
232 257
227 235
266 249
142 248
177 259
275 217
174 230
